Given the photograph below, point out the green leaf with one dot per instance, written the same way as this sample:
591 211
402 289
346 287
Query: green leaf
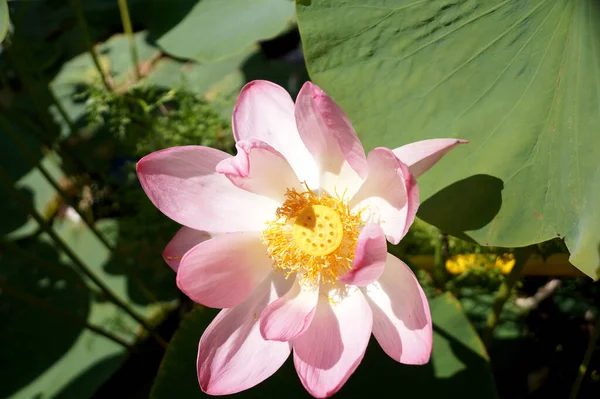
50 357
212 30
519 79
116 49
195 77
220 82
27 177
459 360
4 20
70 84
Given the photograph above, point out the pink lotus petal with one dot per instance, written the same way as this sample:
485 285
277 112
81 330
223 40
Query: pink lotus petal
184 240
232 355
389 195
183 184
290 315
260 169
420 156
369 257
329 136
333 346
401 317
265 111
222 272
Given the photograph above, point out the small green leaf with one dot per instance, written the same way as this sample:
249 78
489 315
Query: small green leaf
212 30
4 20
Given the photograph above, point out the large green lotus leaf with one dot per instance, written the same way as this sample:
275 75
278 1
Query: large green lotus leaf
119 55
4 21
459 360
195 77
221 82
212 30
519 79
49 357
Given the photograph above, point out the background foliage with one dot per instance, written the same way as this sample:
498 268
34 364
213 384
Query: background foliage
83 97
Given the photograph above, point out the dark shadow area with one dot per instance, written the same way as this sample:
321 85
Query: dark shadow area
139 259
468 204
557 335
52 34
282 45
280 61
136 376
380 375
543 362
34 338
17 165
536 354
598 268
165 14
11 213
90 379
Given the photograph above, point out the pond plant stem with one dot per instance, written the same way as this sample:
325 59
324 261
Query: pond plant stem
69 201
20 61
10 246
74 160
29 209
69 318
85 33
504 292
587 357
127 28
64 196
440 257
40 91
63 113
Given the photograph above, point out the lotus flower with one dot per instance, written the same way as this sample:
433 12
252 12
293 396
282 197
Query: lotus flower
288 237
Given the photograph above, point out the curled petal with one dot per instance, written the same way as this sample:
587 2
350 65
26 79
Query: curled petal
184 240
290 315
331 349
265 111
232 355
260 169
329 136
222 272
401 316
420 156
183 184
369 257
389 196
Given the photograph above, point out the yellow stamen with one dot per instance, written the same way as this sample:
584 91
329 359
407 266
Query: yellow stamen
313 235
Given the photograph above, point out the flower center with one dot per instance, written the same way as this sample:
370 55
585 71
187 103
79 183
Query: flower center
314 235
318 230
